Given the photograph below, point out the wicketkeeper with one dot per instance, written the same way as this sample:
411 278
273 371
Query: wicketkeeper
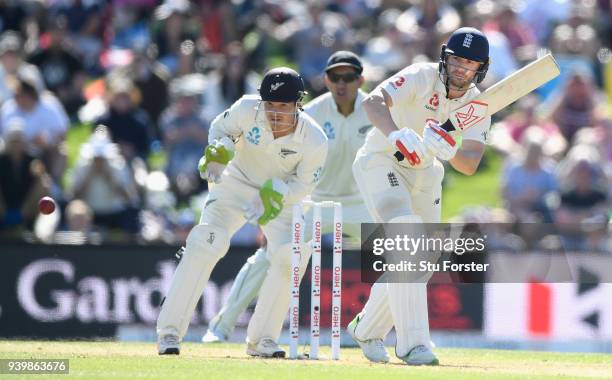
340 113
277 163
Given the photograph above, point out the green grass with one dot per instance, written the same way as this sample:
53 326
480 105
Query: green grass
101 360
482 189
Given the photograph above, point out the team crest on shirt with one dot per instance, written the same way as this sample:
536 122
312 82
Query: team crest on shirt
397 82
253 136
329 130
433 102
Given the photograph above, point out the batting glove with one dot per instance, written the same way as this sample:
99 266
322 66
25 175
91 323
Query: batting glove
409 143
269 204
439 142
216 156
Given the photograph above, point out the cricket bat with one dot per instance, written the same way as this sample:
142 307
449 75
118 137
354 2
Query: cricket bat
503 93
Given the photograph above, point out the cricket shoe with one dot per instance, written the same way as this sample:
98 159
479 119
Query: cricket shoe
266 348
213 336
373 349
168 345
420 355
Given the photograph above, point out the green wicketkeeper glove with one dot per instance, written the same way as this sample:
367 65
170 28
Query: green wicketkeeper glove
269 204
216 156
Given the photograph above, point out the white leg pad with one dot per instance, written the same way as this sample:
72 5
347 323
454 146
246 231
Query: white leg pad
244 290
206 244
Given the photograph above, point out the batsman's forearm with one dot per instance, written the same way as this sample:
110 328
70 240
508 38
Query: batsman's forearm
468 157
378 113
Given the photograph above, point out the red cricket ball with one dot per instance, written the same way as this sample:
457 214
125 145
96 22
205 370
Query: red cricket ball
46 205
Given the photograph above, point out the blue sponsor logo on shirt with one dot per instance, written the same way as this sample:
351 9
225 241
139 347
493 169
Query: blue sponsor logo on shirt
253 136
329 130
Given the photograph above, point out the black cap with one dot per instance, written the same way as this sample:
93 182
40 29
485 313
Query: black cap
344 58
282 84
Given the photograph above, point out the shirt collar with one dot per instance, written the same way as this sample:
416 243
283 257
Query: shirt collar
441 90
358 100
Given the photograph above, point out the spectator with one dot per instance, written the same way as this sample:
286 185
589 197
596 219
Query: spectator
431 21
14 17
600 137
575 105
227 85
543 15
127 123
584 199
44 122
518 33
61 69
79 228
313 38
12 64
185 134
103 180
577 36
527 182
218 24
23 180
129 28
391 50
150 77
173 28
79 217
84 25
509 132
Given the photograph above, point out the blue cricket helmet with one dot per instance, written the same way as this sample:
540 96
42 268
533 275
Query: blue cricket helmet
468 43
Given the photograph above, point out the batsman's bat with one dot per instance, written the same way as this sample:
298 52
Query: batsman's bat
502 94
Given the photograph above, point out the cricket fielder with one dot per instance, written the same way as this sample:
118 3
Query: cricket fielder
277 163
346 125
409 111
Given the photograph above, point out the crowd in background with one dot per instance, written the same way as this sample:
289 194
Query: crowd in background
139 81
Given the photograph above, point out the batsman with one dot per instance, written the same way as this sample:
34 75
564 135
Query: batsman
399 173
264 155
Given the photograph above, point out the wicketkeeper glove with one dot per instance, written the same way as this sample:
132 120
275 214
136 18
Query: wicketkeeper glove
216 156
439 142
269 204
409 143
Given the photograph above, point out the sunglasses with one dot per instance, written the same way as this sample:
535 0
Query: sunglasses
346 78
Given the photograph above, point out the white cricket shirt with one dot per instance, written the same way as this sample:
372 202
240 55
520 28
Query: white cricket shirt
297 158
345 135
418 96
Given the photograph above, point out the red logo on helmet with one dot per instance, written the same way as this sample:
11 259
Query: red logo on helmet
400 81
